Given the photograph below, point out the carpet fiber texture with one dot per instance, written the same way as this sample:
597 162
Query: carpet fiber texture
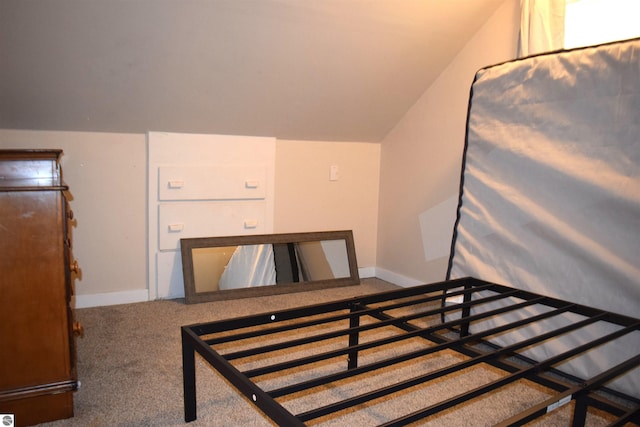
130 369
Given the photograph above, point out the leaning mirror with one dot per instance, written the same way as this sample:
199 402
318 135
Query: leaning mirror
219 268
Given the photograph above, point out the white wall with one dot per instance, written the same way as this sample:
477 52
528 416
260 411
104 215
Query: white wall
107 176
416 169
421 160
307 200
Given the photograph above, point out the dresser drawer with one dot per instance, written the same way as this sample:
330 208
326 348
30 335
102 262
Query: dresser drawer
213 182
196 219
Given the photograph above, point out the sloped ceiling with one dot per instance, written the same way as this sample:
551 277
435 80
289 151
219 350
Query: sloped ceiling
343 70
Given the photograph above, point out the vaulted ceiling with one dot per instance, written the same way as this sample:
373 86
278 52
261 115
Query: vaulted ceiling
343 70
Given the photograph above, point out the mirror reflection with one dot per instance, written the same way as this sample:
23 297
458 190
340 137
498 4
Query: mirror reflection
233 267
225 267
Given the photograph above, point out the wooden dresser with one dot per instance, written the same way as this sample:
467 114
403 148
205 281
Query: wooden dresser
38 357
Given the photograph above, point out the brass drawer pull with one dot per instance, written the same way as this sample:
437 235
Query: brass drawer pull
74 267
78 329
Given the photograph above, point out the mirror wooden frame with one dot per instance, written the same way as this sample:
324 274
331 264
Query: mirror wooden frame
188 244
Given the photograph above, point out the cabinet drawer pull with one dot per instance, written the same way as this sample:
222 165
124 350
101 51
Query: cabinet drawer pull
74 267
78 329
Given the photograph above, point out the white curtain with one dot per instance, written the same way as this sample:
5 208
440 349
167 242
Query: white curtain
541 26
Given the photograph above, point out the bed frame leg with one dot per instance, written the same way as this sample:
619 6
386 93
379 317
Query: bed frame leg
466 311
354 338
580 411
188 378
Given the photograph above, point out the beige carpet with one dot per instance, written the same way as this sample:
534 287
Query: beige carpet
130 368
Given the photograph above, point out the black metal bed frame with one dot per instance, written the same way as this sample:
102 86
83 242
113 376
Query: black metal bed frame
225 344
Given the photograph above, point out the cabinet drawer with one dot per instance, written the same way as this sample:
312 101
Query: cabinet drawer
207 219
214 182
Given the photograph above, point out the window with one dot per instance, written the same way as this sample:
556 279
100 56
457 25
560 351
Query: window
590 22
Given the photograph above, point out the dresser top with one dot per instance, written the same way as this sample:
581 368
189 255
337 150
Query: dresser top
34 154
34 169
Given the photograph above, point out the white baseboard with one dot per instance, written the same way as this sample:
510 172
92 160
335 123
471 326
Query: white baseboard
367 272
127 297
397 279
111 298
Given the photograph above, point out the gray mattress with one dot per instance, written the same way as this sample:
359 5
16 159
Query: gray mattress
550 193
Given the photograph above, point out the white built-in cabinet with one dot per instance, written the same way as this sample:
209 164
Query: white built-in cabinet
203 186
